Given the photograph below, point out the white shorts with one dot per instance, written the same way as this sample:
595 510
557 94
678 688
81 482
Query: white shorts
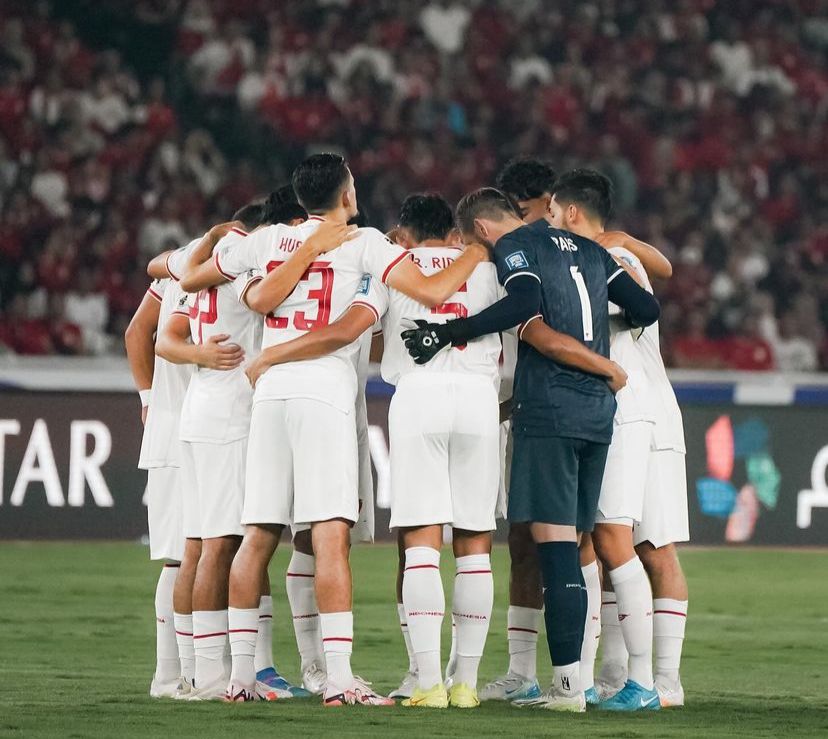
212 481
505 468
166 533
665 520
301 463
625 475
363 530
445 457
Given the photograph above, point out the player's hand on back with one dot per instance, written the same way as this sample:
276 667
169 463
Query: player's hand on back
329 236
618 380
424 340
215 355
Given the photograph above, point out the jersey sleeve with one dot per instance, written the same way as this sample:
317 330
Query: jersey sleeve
176 262
181 300
238 252
372 294
157 288
245 281
611 267
380 256
513 257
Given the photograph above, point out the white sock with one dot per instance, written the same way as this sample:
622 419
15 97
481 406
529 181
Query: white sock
425 603
243 630
522 624
613 649
472 611
451 666
566 678
209 641
167 665
264 642
338 642
412 660
635 614
592 627
300 585
669 621
184 639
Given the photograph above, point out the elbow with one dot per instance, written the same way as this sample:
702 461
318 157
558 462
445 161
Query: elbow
666 271
648 314
188 284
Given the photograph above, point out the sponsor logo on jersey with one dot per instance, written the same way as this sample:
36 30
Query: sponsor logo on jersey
182 301
364 285
517 260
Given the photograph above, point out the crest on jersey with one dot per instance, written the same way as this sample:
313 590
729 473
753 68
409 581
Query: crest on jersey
364 285
182 301
517 260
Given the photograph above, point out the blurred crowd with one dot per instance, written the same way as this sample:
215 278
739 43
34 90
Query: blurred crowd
130 136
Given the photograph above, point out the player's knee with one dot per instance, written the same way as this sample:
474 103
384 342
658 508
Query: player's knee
522 549
662 562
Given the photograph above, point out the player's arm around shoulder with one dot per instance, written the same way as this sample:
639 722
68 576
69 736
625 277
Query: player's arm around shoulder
268 294
433 290
652 260
201 270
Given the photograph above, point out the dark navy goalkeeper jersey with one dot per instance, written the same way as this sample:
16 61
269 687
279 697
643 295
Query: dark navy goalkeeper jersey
551 399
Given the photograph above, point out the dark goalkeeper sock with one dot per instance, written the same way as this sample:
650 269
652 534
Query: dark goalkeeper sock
564 600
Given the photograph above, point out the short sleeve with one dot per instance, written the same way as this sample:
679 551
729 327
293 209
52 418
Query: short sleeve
176 262
237 252
372 294
513 258
181 304
157 288
380 256
244 281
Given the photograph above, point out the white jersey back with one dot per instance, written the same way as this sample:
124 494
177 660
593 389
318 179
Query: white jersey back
635 399
660 397
323 294
218 403
479 357
669 428
159 445
508 361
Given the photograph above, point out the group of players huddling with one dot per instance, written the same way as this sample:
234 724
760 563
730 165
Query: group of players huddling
522 339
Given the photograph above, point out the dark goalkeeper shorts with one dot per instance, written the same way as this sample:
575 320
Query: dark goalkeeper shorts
556 479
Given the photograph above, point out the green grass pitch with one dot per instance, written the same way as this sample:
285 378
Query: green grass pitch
77 644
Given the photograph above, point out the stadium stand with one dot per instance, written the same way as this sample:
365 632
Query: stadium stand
127 128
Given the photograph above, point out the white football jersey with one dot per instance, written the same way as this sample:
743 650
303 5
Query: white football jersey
218 403
159 445
634 400
660 397
481 290
323 294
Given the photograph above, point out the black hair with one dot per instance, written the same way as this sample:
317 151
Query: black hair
588 189
251 215
427 216
282 206
525 178
318 181
487 202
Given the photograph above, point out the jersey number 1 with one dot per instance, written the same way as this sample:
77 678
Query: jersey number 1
586 306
